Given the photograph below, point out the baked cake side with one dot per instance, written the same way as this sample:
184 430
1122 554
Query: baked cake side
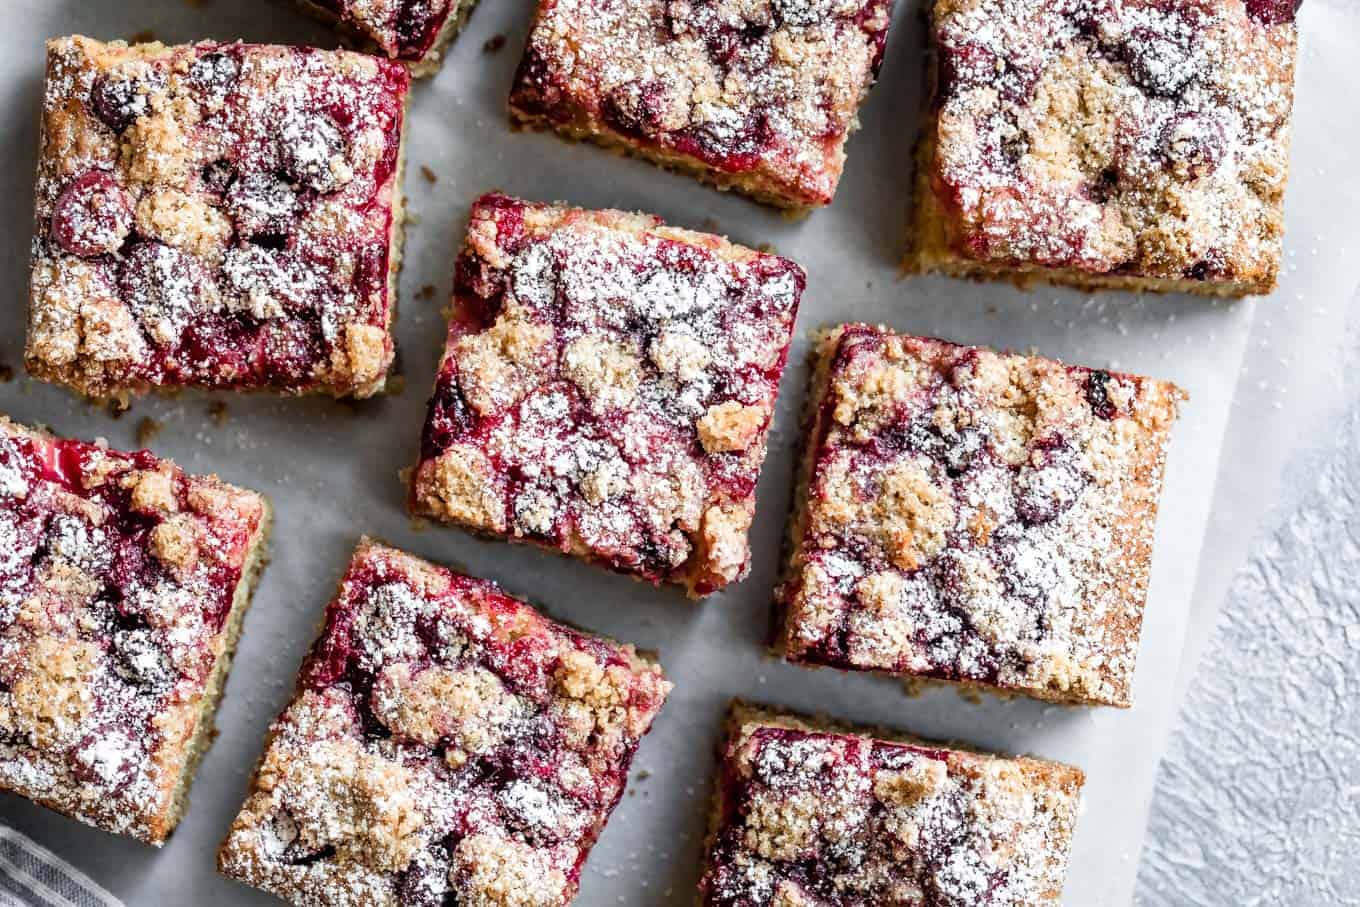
417 33
123 584
753 96
1140 146
607 388
446 744
973 517
226 216
813 812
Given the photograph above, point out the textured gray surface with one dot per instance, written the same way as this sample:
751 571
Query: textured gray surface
1258 797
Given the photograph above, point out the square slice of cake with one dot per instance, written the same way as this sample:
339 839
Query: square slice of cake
123 583
446 744
416 32
222 216
753 95
974 517
811 813
607 389
1132 144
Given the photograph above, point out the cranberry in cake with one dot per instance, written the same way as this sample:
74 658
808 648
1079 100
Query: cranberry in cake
416 32
1140 144
753 95
446 744
123 582
607 389
974 517
814 814
216 215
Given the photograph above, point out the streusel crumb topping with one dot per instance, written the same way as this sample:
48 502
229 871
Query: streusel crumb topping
769 87
1116 136
447 743
607 388
215 214
402 29
977 517
808 817
115 587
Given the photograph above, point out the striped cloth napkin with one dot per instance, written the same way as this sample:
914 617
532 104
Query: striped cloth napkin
33 876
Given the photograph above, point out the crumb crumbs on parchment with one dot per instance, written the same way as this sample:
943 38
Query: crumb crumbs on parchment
147 430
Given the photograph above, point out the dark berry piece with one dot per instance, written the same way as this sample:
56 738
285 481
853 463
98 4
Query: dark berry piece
1048 485
1194 144
217 176
262 203
92 216
1098 395
215 74
966 65
165 288
636 108
138 659
123 94
1273 12
312 151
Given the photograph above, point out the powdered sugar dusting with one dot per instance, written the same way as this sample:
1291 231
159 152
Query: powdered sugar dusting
607 386
810 817
408 770
116 577
1113 136
978 518
215 214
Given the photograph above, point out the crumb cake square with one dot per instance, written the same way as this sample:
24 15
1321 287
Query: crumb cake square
974 517
1108 143
753 95
607 389
446 744
123 583
412 31
810 813
216 215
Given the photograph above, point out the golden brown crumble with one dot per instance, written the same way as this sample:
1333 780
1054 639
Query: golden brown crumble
624 373
977 517
803 806
342 816
1148 153
102 715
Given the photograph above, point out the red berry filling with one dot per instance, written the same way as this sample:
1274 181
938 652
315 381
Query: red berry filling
848 821
586 376
117 573
971 517
496 724
247 229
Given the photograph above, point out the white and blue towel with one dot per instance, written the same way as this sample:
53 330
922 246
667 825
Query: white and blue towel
33 876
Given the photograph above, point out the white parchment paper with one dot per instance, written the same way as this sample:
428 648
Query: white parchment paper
331 468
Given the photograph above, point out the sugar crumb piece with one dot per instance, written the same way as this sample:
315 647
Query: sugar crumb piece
147 430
